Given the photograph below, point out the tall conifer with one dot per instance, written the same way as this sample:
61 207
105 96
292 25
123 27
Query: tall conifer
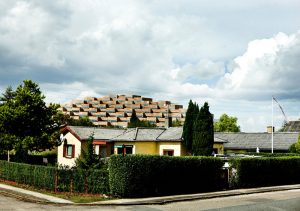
187 133
203 132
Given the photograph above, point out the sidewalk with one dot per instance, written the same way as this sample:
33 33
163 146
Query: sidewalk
31 195
39 197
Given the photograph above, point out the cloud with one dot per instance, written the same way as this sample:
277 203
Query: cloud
268 67
162 49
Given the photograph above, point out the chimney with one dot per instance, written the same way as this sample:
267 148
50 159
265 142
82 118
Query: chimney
269 129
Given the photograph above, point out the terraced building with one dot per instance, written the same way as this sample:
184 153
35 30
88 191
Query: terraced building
117 110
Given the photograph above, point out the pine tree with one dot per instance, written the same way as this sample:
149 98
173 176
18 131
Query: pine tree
203 132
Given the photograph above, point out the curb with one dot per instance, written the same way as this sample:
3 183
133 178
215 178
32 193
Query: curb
146 201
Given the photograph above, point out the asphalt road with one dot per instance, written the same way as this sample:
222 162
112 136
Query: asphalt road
281 200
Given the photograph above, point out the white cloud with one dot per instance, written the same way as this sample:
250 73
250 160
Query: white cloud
162 49
268 67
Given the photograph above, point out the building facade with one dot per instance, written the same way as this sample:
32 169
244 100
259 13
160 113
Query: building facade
150 141
117 110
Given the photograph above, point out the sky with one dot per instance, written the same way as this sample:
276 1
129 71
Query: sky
233 54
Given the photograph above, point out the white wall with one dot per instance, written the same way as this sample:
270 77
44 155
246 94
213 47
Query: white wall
170 146
61 160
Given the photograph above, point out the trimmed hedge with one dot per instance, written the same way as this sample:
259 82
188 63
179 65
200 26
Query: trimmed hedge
277 154
146 175
33 159
265 171
51 178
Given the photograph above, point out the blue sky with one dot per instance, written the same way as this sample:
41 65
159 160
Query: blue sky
233 54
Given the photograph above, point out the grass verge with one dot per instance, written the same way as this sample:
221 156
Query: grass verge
74 197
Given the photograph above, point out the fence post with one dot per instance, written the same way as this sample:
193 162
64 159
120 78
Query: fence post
71 182
55 182
86 184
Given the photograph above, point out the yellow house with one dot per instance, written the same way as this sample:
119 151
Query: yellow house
151 141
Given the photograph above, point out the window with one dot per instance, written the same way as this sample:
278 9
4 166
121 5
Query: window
100 150
126 149
69 150
169 152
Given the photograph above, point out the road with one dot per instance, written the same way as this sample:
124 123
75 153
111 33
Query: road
281 200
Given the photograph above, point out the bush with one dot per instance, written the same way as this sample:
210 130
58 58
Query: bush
51 178
38 176
277 154
34 159
146 175
258 172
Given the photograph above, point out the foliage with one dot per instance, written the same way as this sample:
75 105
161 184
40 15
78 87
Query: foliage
87 158
176 123
135 122
26 122
266 171
226 124
65 119
151 175
203 132
295 148
8 95
190 117
276 154
51 178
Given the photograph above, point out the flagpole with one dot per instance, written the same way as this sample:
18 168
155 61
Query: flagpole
272 126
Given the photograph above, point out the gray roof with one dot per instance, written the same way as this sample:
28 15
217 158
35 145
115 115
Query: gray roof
172 133
150 134
292 126
144 134
281 141
99 133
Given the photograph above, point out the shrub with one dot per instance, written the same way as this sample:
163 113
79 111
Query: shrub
277 154
51 178
146 175
266 171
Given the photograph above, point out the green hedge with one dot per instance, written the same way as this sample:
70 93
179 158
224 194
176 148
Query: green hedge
51 178
277 154
145 175
33 159
258 172
37 176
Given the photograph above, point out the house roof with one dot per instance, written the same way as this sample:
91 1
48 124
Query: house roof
131 134
281 141
292 126
83 133
172 133
150 134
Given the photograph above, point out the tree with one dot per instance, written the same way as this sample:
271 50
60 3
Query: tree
187 134
8 95
203 132
176 123
87 159
65 119
295 148
226 124
135 122
26 122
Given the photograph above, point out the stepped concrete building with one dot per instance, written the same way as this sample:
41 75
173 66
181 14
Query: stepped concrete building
117 110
